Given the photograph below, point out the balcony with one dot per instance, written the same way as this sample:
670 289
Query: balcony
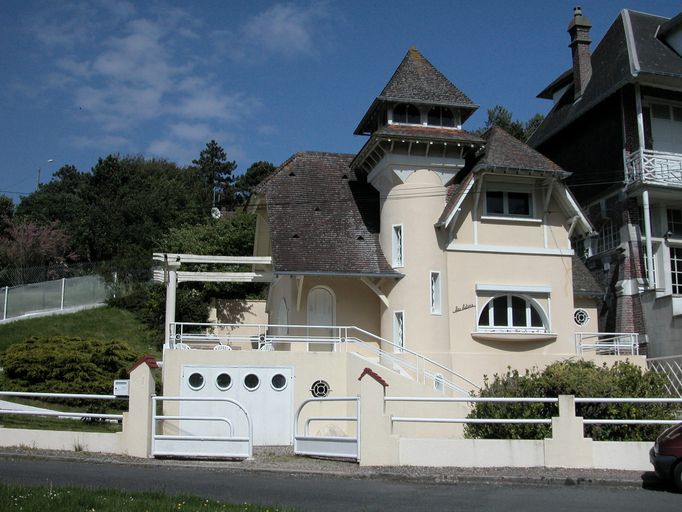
653 167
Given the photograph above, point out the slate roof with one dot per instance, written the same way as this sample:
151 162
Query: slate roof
322 219
629 50
584 283
502 152
417 81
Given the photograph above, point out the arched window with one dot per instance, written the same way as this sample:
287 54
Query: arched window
512 313
441 116
406 113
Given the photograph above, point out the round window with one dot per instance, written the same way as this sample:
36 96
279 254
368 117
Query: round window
223 381
196 381
580 317
279 382
320 388
251 381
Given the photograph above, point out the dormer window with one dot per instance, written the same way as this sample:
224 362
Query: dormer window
441 116
406 113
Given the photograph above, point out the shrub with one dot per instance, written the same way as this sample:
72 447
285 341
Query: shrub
582 379
62 364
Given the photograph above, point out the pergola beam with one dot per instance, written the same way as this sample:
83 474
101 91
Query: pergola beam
202 258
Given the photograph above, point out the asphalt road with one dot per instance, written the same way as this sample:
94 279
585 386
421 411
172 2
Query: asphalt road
326 493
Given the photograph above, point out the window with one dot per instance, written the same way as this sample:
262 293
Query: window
441 116
609 237
512 204
406 113
511 313
675 221
646 265
399 330
435 292
397 245
581 317
676 269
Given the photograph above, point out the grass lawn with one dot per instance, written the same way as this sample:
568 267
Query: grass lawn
69 499
103 323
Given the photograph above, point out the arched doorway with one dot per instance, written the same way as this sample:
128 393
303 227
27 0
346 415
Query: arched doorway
321 312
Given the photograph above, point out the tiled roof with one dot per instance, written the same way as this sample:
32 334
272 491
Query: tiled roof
428 132
322 219
503 151
628 50
417 80
584 283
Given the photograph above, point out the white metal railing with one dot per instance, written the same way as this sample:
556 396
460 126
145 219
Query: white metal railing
184 444
528 421
607 343
59 414
334 338
671 366
653 166
328 446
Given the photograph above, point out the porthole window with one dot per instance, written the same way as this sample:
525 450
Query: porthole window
320 388
581 317
278 382
251 382
223 381
196 381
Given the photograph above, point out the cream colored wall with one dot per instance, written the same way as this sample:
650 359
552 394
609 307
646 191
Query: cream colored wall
589 305
416 204
466 270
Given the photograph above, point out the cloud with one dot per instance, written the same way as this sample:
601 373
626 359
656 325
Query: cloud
283 30
132 75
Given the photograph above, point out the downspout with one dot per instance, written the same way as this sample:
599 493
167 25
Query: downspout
649 245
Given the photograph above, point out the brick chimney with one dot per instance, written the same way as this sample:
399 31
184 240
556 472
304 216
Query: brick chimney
579 29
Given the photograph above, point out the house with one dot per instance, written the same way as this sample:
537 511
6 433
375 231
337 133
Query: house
616 124
429 259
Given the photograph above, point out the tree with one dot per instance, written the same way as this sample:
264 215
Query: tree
216 171
251 179
6 213
500 116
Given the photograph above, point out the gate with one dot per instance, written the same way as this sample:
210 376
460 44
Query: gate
346 447
185 435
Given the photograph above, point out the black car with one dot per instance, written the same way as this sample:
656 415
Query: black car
666 455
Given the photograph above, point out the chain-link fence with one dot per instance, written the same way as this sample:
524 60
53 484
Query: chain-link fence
56 295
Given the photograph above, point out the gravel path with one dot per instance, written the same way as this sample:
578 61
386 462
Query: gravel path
282 459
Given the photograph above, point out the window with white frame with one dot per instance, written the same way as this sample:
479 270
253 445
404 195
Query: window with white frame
399 330
512 313
503 203
434 279
397 245
676 269
609 237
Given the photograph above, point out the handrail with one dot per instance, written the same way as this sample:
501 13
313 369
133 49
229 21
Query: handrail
156 417
59 414
469 399
355 399
197 418
338 335
31 394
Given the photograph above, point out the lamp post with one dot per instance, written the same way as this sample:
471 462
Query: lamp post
49 161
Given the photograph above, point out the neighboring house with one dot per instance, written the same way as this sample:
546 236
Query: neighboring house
433 238
616 125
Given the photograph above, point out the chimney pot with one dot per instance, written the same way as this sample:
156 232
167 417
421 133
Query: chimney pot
579 29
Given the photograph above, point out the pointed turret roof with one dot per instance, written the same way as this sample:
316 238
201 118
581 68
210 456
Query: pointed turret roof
417 81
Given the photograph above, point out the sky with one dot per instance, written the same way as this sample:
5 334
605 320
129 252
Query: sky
265 79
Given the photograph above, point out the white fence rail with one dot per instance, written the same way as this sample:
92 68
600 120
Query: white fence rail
527 421
607 343
49 296
653 166
267 337
34 411
328 446
186 443
671 366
